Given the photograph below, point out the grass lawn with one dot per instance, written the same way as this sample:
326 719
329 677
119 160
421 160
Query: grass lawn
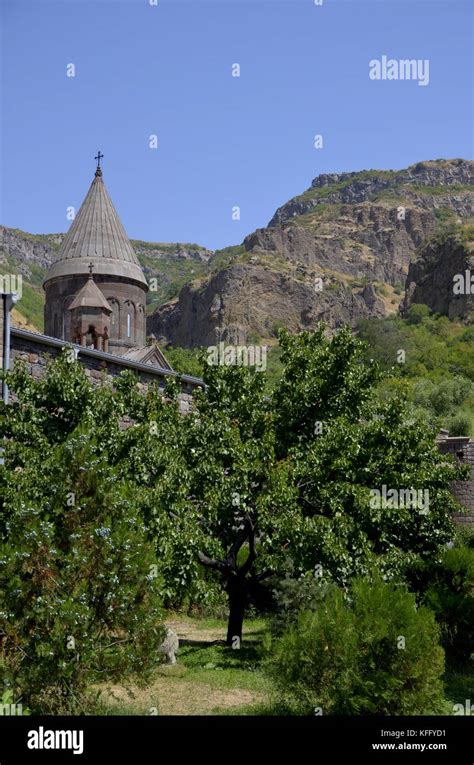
212 679
209 678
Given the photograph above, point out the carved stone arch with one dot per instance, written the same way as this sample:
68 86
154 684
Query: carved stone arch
115 317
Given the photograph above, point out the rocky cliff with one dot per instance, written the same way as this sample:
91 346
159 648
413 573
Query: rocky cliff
442 277
339 252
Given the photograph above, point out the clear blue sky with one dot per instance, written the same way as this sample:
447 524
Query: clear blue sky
223 141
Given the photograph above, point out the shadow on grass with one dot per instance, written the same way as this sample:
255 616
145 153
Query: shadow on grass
217 655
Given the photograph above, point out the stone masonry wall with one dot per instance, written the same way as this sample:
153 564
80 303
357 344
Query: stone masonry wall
461 447
37 349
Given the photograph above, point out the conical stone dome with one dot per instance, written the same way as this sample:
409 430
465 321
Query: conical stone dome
97 242
97 234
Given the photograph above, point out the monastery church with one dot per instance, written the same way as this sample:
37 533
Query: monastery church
96 288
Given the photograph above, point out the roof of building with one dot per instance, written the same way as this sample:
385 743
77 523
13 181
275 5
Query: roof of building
148 354
90 296
45 340
97 235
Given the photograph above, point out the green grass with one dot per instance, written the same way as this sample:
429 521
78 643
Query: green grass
206 666
441 191
223 667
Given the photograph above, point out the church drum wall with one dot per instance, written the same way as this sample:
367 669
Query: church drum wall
130 297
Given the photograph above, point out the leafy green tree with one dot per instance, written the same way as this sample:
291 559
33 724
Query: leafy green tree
343 445
247 482
79 598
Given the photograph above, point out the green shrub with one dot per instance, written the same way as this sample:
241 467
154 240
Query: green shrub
451 596
371 653
417 313
460 424
292 596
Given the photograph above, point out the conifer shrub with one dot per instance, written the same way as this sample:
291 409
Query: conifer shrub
450 595
294 595
369 652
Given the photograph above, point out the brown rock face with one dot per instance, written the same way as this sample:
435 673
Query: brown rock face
248 299
356 232
362 240
443 278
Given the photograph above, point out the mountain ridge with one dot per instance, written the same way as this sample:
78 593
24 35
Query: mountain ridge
358 233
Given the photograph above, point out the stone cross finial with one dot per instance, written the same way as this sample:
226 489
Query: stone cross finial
98 158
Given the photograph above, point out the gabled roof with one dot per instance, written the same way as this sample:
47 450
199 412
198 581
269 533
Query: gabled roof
90 296
148 354
97 235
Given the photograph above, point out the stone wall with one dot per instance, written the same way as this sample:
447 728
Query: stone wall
461 447
37 349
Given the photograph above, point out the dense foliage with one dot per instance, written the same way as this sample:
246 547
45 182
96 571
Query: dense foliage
436 369
110 500
371 653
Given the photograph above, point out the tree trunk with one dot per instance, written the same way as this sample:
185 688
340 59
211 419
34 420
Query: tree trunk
237 602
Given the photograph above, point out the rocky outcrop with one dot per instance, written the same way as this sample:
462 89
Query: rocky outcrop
449 176
363 241
443 277
248 299
358 232
28 251
178 251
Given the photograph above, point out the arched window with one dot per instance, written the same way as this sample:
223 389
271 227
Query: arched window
114 317
129 320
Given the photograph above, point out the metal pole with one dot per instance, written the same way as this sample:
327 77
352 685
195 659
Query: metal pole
7 304
9 299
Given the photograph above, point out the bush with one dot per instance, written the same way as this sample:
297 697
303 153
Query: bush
451 597
371 653
417 312
460 424
292 596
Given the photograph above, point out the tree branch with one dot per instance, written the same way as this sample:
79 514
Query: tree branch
231 558
211 562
